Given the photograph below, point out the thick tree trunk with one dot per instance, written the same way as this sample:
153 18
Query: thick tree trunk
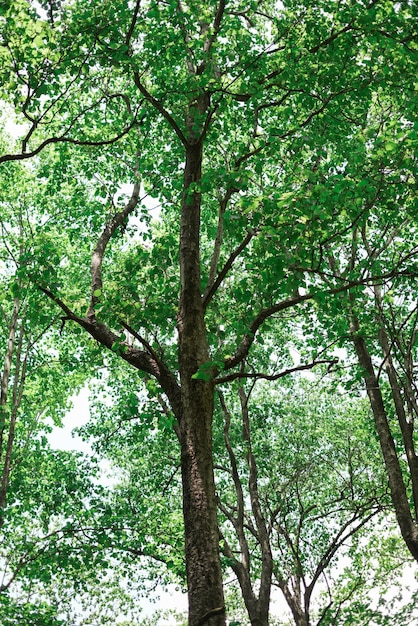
204 575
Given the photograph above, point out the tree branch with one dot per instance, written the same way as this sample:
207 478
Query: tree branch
282 374
133 23
248 339
63 139
97 257
159 107
212 288
238 522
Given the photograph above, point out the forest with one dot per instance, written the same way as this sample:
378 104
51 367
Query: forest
209 220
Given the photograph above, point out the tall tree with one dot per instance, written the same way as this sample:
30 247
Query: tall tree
229 113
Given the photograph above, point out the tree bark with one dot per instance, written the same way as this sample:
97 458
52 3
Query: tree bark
4 388
204 575
398 492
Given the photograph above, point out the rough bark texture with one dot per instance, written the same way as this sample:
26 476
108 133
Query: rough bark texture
204 576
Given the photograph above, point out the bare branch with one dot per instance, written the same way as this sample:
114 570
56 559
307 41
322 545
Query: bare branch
282 374
212 288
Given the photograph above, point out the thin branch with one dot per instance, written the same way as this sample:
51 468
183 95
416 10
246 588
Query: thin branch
211 289
238 522
133 23
282 374
63 139
215 30
159 107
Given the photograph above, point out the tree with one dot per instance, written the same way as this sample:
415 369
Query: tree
49 499
378 323
300 490
230 114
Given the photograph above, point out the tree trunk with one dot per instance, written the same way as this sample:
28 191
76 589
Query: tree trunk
407 428
204 575
398 492
294 601
262 606
4 388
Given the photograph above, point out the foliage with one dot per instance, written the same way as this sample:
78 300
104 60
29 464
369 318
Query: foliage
280 140
305 470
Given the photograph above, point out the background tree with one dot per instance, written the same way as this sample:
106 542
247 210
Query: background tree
378 323
301 490
49 499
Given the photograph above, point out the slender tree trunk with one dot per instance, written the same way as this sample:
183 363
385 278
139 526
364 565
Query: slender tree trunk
263 604
5 379
398 492
294 601
257 607
407 428
204 575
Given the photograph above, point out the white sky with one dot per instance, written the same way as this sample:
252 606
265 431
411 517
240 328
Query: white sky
64 439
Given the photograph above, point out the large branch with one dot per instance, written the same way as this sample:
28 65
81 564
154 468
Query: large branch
215 31
400 499
97 257
133 23
141 360
248 339
7 367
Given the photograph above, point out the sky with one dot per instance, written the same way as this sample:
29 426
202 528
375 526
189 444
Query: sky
65 439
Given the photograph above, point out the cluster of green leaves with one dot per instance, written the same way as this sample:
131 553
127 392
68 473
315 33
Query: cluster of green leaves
308 187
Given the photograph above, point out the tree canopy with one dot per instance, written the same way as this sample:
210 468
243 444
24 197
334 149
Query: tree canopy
278 140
